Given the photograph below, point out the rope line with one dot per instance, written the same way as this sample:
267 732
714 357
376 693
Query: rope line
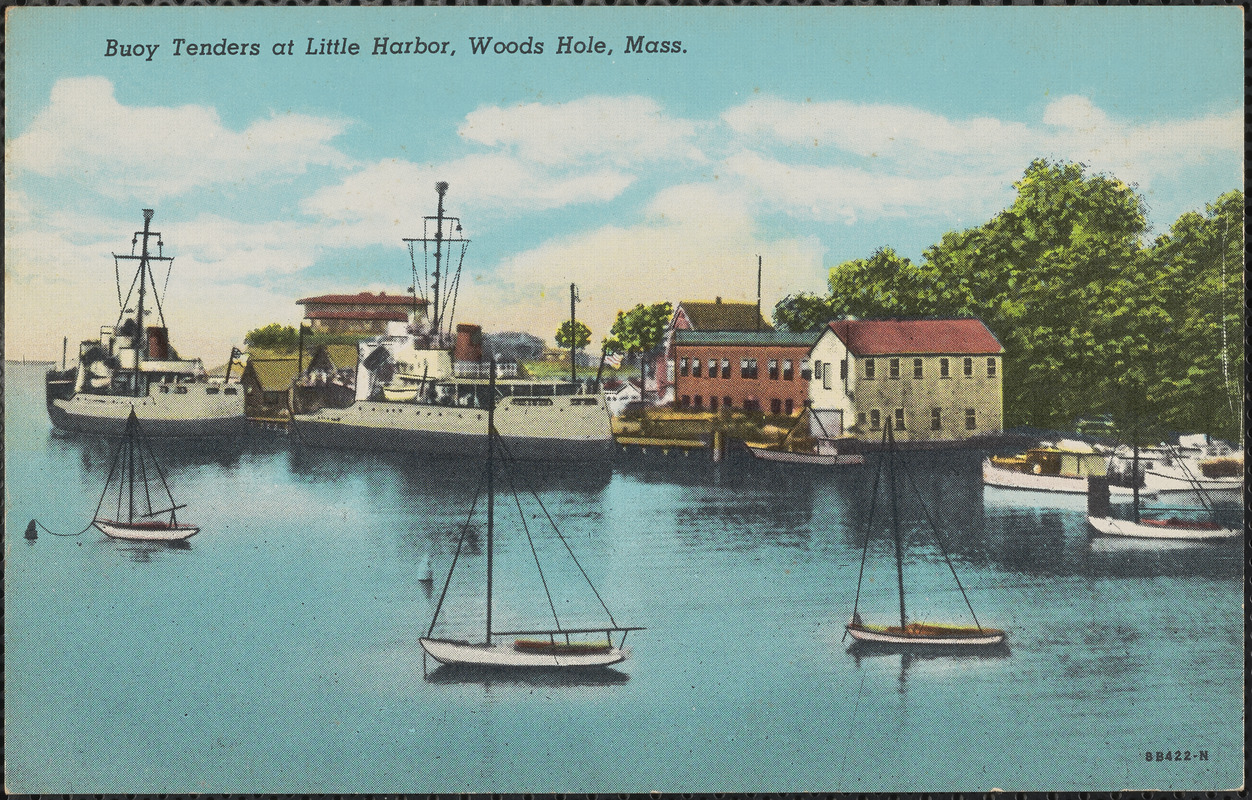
561 536
456 555
525 527
54 533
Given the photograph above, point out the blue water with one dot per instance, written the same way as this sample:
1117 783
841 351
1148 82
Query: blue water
278 652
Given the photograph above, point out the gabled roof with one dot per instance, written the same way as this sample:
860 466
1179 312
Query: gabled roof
364 298
876 337
765 338
274 374
340 355
723 316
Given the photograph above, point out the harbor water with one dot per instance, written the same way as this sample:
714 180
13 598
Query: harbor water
278 650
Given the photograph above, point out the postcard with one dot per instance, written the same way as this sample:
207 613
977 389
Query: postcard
542 399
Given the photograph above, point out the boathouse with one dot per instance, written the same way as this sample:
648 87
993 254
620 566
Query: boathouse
939 380
267 384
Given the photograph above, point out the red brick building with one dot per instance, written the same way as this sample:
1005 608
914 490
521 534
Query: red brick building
766 371
692 315
362 313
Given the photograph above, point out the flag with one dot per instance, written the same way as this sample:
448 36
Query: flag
614 360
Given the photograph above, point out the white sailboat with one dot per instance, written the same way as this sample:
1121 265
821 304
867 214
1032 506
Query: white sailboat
1155 525
133 515
912 634
558 647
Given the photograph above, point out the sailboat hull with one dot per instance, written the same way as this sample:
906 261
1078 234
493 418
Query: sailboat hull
927 636
149 532
1109 526
447 652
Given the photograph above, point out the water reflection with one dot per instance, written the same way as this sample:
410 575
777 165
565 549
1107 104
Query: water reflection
912 655
531 676
143 552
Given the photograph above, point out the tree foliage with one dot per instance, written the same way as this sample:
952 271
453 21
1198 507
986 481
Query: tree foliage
573 333
639 330
1091 319
275 336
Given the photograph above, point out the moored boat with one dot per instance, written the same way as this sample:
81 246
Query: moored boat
527 653
133 516
910 634
423 387
1061 467
132 368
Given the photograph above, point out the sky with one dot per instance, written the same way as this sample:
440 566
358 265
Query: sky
804 137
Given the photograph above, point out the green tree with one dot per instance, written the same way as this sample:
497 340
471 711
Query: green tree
275 336
801 312
573 333
641 329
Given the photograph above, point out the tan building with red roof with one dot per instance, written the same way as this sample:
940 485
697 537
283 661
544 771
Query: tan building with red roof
937 380
363 313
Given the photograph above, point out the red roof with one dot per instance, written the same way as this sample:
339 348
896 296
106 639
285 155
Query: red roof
364 298
875 337
390 316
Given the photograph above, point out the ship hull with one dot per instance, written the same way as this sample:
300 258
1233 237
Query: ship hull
498 656
188 417
553 433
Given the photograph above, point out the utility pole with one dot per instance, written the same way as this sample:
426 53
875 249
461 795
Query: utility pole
758 293
573 335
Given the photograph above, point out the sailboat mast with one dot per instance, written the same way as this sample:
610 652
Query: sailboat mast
441 187
895 517
491 468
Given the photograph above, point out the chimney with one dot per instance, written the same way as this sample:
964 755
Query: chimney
718 301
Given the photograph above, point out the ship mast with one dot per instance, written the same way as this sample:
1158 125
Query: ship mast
443 281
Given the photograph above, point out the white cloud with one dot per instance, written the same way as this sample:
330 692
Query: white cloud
697 242
155 152
856 161
622 131
385 201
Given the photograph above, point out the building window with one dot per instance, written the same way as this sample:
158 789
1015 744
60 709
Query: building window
788 407
899 419
943 368
917 369
806 372
696 369
969 367
788 370
699 401
970 422
773 369
817 370
875 420
893 368
750 405
935 419
727 402
726 369
860 419
747 368
843 369
991 368
775 406
686 403
682 367
825 376
712 404
869 369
